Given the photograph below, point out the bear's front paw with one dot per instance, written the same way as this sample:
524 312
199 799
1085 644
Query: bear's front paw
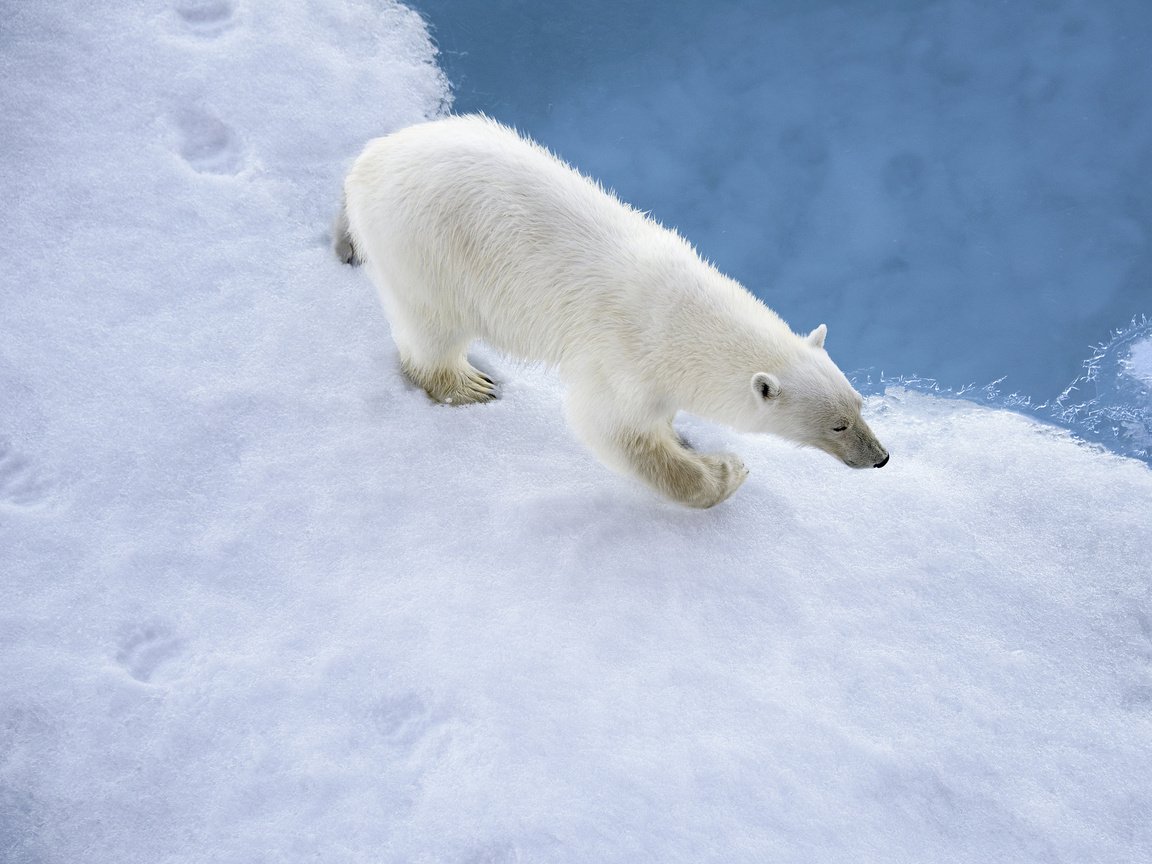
693 479
726 473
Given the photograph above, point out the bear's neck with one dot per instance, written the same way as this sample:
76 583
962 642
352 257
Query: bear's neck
717 344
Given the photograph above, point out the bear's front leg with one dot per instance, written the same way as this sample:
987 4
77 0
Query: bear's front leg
693 479
650 450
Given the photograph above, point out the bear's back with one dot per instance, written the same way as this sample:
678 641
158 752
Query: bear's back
541 259
490 231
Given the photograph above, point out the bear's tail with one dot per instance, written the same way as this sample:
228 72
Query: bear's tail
342 243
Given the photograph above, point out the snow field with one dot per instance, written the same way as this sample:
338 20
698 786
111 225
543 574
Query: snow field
265 603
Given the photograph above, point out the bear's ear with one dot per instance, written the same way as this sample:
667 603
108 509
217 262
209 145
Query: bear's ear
766 386
816 337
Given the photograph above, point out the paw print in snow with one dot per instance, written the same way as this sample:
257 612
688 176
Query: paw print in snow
21 486
144 648
206 17
402 719
207 143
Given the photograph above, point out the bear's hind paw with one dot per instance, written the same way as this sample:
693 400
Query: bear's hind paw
457 386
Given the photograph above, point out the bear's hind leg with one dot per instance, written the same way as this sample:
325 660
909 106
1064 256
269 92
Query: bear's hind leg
438 364
342 243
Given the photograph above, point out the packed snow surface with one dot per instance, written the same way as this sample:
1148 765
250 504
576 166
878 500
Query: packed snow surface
264 602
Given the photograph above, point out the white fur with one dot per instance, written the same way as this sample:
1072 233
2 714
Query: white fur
471 232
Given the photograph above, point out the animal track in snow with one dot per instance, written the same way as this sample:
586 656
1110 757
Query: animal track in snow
1139 695
207 143
500 852
206 17
401 719
144 648
541 847
20 484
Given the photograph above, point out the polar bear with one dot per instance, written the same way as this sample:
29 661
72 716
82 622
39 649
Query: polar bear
469 231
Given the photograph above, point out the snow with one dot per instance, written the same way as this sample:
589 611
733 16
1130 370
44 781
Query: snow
264 602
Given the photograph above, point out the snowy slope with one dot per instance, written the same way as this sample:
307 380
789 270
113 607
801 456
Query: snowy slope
263 602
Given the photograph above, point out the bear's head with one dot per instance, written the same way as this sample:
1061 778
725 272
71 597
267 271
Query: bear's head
810 402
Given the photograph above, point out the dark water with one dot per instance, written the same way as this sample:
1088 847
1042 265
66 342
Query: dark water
961 190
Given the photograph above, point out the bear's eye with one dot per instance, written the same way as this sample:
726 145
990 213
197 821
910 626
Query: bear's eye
840 428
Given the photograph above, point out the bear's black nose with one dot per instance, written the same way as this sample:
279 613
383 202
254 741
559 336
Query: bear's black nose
882 462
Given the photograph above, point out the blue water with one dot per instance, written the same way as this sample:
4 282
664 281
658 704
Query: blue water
961 190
